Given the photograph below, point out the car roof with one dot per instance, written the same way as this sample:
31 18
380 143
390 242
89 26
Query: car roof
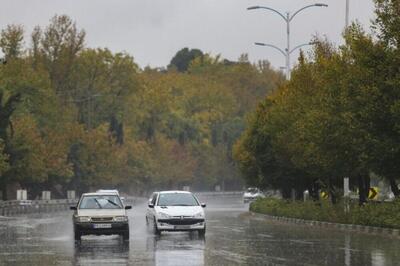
107 190
175 191
100 194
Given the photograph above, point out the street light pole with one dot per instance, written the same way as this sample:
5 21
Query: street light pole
287 46
285 52
288 18
347 13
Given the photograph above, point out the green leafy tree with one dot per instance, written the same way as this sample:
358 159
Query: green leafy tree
183 58
11 41
58 47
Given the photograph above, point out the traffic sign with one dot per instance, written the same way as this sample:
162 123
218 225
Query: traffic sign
324 195
373 193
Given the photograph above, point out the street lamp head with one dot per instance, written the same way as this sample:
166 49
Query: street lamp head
253 7
259 43
321 5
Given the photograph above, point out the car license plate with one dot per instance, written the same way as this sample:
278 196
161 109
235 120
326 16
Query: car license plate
97 226
182 227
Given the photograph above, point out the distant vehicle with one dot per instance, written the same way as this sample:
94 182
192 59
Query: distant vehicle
110 191
176 211
100 213
251 194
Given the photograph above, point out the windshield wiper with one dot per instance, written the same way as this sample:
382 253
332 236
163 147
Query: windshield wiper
182 205
98 203
113 203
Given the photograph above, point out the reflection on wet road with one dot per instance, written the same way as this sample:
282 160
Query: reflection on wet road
233 238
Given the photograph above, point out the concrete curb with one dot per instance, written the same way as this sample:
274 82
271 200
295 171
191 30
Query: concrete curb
343 227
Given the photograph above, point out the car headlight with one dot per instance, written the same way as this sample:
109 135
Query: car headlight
163 215
121 219
83 219
199 215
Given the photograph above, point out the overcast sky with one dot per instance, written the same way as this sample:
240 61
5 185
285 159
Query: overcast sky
154 30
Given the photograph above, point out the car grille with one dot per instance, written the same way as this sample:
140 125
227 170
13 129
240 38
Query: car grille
102 219
181 221
181 217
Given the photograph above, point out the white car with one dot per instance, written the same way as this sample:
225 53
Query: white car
252 194
176 211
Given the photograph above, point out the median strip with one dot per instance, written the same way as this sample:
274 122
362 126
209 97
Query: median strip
373 218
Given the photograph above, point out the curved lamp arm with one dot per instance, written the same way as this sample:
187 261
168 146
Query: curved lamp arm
268 8
301 9
272 46
299 46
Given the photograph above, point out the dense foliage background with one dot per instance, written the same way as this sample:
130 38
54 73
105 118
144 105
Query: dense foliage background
74 117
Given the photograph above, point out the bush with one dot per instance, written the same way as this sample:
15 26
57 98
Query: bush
380 214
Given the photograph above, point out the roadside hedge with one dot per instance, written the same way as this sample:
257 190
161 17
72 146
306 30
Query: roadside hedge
379 214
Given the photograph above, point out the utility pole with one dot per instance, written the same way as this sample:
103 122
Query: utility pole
286 53
288 45
347 13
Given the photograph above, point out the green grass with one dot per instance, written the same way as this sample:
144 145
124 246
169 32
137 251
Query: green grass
373 214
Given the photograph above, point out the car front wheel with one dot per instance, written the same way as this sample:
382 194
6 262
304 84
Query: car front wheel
77 235
202 232
125 236
156 230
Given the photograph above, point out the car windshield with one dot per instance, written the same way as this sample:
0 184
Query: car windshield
100 202
252 190
177 199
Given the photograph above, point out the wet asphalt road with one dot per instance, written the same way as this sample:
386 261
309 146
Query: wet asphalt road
232 238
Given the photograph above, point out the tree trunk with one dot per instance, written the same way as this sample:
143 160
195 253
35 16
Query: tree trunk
3 190
314 191
363 188
300 193
332 194
394 187
286 193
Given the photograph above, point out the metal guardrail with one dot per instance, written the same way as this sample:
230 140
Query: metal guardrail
17 207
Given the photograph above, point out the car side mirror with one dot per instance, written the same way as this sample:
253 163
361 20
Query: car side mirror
151 205
128 207
73 208
203 205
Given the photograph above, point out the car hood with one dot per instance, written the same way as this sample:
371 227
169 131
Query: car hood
101 212
249 194
179 210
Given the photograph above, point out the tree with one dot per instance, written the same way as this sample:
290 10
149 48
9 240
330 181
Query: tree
59 46
183 58
11 41
388 22
263 163
382 59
